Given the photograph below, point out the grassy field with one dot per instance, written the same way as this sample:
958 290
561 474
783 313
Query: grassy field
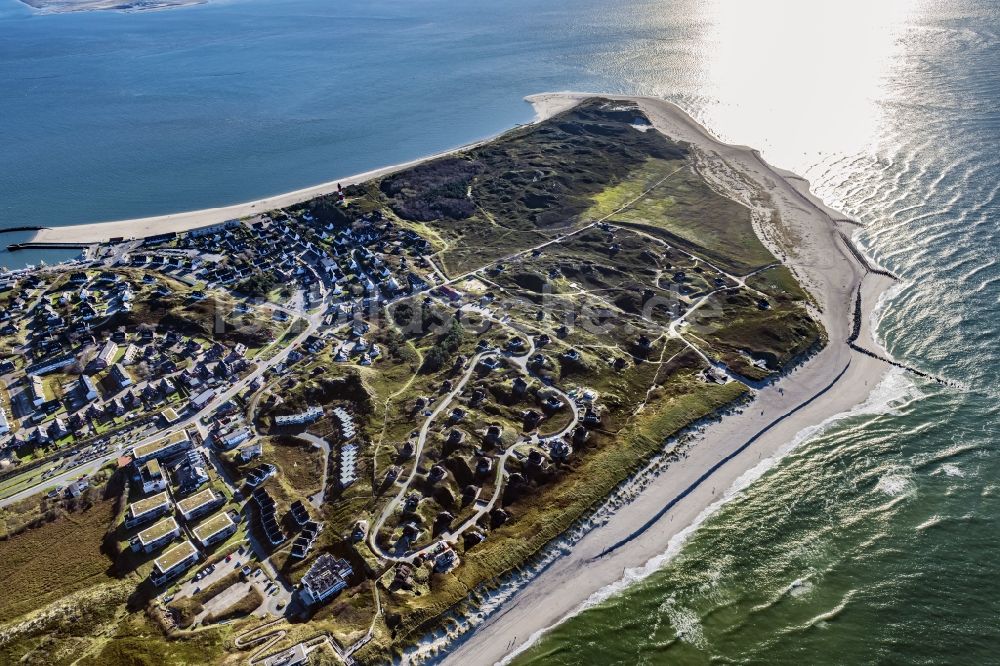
300 462
525 187
684 210
45 563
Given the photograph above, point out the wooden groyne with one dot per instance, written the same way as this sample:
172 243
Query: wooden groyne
11 230
856 332
14 247
862 260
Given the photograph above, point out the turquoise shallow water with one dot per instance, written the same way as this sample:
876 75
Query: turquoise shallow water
876 540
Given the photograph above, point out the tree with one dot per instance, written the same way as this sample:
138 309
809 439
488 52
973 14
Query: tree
259 284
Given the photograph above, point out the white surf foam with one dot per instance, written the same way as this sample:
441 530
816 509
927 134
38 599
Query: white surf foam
895 389
896 483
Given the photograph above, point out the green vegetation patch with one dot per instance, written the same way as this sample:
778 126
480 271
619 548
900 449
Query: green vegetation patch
675 203
46 563
752 339
517 191
300 462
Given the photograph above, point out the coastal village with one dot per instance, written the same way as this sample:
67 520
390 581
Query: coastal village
347 414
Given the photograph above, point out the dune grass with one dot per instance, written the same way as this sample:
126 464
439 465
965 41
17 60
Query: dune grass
45 563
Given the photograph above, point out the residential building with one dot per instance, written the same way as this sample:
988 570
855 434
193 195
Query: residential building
36 390
88 388
199 504
131 352
248 453
156 536
232 439
162 447
174 562
146 510
107 355
190 477
348 465
217 528
4 423
49 365
202 398
152 478
260 474
308 416
120 376
327 576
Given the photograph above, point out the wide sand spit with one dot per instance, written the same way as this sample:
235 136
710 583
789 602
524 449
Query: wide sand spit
800 230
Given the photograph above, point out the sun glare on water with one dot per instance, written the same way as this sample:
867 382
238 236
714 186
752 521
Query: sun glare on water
795 77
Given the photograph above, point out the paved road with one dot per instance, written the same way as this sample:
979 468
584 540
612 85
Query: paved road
421 440
312 322
324 446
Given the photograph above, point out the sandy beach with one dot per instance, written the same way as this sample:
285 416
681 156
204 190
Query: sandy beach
101 232
736 449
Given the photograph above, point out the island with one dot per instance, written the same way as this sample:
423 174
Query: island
349 423
66 6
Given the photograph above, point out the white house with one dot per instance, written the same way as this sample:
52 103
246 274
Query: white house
37 390
88 388
107 354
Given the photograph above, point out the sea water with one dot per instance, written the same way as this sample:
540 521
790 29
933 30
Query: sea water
874 540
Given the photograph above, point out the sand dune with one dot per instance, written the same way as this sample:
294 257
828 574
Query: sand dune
831 383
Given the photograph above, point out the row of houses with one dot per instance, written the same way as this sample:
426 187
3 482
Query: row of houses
310 415
267 507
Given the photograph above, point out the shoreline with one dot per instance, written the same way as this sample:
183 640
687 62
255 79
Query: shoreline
727 455
142 227
736 450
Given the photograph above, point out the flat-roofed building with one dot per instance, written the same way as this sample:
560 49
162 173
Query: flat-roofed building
156 536
4 422
163 446
327 576
215 529
147 510
152 477
199 504
169 415
174 562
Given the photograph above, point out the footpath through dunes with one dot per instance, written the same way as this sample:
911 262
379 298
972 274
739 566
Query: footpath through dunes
729 453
